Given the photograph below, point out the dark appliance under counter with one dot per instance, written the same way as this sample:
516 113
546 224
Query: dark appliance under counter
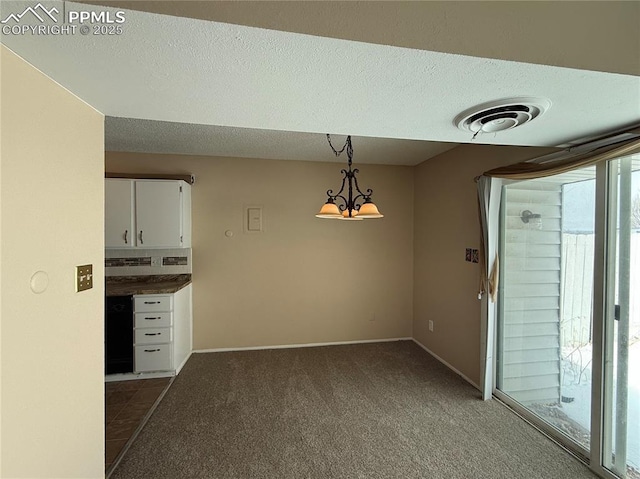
118 334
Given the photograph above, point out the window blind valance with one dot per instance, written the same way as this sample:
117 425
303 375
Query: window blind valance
529 170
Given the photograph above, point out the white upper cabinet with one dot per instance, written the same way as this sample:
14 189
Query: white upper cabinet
158 212
118 214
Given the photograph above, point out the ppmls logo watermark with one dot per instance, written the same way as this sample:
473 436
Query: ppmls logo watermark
40 20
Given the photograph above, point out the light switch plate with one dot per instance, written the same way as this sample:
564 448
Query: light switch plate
84 277
253 219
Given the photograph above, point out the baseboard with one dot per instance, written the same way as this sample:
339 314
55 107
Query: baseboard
179 368
305 345
133 376
446 364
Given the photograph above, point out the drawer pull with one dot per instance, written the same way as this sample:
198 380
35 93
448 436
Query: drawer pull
159 317
151 350
152 334
152 302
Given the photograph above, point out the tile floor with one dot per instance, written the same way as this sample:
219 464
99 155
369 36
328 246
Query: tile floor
126 405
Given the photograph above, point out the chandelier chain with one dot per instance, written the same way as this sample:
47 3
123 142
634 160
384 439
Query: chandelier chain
347 146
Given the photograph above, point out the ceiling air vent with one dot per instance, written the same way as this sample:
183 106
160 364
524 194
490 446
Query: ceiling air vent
501 115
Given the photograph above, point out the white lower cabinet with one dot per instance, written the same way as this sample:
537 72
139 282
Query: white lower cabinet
152 335
153 319
149 303
153 357
162 331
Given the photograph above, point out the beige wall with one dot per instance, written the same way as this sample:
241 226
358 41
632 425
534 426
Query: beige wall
52 408
287 285
446 223
304 279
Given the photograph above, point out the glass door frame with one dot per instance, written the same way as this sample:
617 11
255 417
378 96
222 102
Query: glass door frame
604 278
612 233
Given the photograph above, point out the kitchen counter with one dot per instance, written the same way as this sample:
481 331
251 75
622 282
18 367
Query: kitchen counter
154 284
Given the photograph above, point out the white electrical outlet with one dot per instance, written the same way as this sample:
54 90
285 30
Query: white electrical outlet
156 261
431 325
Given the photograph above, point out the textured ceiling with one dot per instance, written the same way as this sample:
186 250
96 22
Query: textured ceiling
593 35
184 71
124 134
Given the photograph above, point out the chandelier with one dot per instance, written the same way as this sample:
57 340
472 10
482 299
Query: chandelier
356 207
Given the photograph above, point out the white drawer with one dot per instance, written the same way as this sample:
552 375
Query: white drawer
150 302
153 358
152 335
152 320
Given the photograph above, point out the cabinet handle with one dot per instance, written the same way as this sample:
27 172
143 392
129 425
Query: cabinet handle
152 334
126 233
151 350
141 241
152 302
159 317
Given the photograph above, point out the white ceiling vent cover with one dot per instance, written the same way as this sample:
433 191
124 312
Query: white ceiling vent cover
501 115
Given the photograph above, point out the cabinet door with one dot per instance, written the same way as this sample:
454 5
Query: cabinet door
158 214
118 214
186 214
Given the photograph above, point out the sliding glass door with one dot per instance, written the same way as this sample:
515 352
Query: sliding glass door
544 323
569 242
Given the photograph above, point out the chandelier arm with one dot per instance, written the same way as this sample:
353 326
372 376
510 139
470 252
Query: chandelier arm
357 205
342 207
330 192
369 192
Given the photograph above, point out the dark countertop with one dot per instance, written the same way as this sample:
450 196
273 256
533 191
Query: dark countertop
155 284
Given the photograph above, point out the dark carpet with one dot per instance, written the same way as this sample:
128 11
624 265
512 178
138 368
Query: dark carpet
383 410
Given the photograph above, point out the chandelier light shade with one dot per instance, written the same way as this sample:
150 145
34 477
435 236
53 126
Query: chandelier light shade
348 207
369 210
329 210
